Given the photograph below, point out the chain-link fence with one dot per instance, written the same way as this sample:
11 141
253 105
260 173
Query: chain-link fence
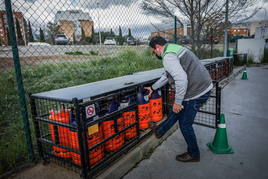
62 43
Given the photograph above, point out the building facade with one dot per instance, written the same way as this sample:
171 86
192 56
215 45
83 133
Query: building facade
4 27
72 22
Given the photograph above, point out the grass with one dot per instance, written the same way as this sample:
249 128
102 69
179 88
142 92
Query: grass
54 76
82 53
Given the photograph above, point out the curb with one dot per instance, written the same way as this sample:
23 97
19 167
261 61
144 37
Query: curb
235 73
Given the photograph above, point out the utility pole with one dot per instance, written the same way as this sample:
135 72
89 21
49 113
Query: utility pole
99 24
226 28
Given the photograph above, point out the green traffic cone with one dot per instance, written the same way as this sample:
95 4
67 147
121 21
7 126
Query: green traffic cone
220 143
244 75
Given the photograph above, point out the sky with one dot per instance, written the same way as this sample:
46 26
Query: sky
106 14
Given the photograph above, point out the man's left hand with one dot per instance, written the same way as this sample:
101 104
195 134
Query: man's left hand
177 108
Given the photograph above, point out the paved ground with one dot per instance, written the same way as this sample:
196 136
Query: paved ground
245 106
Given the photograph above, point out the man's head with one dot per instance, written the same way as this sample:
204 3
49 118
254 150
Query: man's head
157 46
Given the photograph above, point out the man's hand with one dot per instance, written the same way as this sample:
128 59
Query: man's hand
177 108
150 90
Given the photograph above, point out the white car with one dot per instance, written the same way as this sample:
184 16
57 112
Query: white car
109 41
38 44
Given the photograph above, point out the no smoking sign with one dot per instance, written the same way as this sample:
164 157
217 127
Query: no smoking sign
90 111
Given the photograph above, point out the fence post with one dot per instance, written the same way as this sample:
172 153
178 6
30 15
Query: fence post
175 30
21 91
218 103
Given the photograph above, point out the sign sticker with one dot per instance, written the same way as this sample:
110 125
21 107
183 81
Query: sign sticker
90 111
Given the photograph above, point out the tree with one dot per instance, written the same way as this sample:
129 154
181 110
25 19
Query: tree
42 36
74 39
25 26
19 35
30 33
199 13
120 38
112 33
53 29
129 33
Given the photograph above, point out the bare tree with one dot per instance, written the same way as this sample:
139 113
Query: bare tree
200 14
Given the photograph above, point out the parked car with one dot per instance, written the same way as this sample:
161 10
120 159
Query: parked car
109 41
131 41
215 40
61 39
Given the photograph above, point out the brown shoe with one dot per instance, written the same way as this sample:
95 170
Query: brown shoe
182 155
187 158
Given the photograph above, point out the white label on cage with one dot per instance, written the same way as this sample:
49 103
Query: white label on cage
123 105
90 111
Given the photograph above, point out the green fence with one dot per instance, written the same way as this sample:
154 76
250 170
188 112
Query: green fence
51 44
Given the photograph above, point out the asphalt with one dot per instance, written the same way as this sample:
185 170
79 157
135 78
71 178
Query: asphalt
245 105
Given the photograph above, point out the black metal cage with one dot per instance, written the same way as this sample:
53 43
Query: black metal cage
85 128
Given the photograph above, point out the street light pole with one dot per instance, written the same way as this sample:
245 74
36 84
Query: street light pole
99 25
226 28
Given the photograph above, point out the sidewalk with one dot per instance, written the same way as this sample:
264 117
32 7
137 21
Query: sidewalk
245 105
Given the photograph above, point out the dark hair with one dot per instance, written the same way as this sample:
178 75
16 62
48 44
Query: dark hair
157 41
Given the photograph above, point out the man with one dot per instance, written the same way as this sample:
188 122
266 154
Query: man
192 84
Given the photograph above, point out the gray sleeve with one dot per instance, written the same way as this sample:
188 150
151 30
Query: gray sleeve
161 82
173 67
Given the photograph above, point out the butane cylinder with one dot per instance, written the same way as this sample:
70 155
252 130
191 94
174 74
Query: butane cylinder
156 106
60 134
143 109
108 129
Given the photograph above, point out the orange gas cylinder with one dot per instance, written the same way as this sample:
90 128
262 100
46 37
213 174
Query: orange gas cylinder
95 155
59 134
108 129
144 113
130 118
156 108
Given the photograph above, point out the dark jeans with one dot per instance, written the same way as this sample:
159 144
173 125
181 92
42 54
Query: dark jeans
186 120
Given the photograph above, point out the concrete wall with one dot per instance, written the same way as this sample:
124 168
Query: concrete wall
253 47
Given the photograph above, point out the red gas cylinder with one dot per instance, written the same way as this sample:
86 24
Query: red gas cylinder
156 104
144 113
59 134
108 129
130 118
95 155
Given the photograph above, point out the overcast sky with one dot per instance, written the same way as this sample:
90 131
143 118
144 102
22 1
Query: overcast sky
106 14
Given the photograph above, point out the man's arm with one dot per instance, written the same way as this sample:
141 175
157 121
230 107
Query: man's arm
173 67
158 84
161 82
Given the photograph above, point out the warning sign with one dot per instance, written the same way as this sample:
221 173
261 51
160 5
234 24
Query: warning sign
90 111
93 129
